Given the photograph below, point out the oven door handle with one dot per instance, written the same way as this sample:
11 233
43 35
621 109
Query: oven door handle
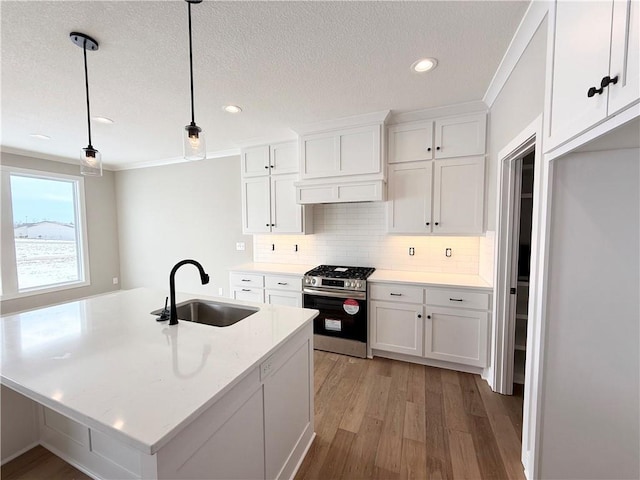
335 293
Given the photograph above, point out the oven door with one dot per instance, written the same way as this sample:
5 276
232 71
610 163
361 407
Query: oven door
340 315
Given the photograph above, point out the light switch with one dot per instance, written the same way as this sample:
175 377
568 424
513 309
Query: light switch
240 246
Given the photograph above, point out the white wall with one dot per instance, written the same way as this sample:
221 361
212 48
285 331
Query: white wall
590 389
173 212
102 231
519 103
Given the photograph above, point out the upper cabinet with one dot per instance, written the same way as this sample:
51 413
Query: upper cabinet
268 191
342 160
269 159
441 138
594 70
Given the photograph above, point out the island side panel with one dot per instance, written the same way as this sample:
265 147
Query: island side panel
248 433
19 424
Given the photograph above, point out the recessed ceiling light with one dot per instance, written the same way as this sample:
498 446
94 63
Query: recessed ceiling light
40 136
232 109
424 65
105 120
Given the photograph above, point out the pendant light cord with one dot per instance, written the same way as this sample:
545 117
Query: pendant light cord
86 84
191 65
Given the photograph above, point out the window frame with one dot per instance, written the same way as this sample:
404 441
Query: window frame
9 277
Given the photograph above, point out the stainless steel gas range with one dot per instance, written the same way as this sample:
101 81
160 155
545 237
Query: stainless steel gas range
340 294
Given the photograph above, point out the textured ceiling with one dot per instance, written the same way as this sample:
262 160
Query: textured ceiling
284 63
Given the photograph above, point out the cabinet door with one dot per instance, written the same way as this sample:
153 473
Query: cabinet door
625 55
248 294
281 297
319 155
255 161
411 142
284 158
456 335
580 61
458 195
409 208
396 327
286 214
360 151
461 136
256 212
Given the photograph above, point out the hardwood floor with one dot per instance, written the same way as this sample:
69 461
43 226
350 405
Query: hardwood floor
383 419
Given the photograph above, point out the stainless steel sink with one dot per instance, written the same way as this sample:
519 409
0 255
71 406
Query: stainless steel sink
208 312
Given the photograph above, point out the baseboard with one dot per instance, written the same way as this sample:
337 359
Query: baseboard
303 456
427 361
19 452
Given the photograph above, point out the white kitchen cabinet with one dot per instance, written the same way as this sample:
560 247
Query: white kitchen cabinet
273 289
396 318
263 160
458 195
268 192
424 324
409 208
457 326
439 196
340 153
594 41
396 327
454 137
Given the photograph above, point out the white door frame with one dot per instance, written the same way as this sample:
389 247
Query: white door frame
531 135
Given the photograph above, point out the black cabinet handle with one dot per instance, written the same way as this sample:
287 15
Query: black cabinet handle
606 81
593 90
245 280
427 223
246 290
428 149
395 294
266 167
271 166
273 224
429 317
437 148
437 223
419 316
267 225
283 283
455 299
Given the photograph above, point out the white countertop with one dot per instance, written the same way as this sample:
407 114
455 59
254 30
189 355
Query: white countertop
430 279
277 268
105 362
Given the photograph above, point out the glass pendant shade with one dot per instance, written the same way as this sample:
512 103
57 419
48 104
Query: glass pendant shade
194 144
90 162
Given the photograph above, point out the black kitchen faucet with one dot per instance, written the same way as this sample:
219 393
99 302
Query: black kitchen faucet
204 278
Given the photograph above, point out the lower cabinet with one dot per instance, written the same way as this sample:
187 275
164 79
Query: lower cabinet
396 327
272 289
450 325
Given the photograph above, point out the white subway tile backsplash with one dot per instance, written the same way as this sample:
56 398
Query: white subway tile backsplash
355 234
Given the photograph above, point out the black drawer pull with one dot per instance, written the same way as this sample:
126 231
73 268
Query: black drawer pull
246 290
455 299
395 294
283 283
245 280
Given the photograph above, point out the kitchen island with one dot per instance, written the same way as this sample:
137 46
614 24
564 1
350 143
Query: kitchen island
123 396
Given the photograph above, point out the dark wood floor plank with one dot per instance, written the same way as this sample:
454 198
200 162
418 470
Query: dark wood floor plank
337 455
487 451
455 416
415 427
437 443
471 399
463 456
362 457
377 404
413 465
416 386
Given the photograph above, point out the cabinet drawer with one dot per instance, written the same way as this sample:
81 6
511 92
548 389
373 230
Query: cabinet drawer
458 298
283 282
247 280
397 293
248 294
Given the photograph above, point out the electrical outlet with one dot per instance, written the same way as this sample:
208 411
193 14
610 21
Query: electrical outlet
266 368
412 251
447 252
240 246
221 291
116 280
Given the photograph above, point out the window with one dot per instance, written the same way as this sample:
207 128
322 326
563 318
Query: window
43 232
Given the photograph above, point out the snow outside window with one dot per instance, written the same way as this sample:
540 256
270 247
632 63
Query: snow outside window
43 232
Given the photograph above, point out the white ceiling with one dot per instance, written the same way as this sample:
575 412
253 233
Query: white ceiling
284 63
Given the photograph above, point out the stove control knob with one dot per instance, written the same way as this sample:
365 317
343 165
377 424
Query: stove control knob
358 285
313 281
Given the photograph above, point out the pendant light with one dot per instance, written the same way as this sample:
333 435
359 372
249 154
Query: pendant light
90 158
194 145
